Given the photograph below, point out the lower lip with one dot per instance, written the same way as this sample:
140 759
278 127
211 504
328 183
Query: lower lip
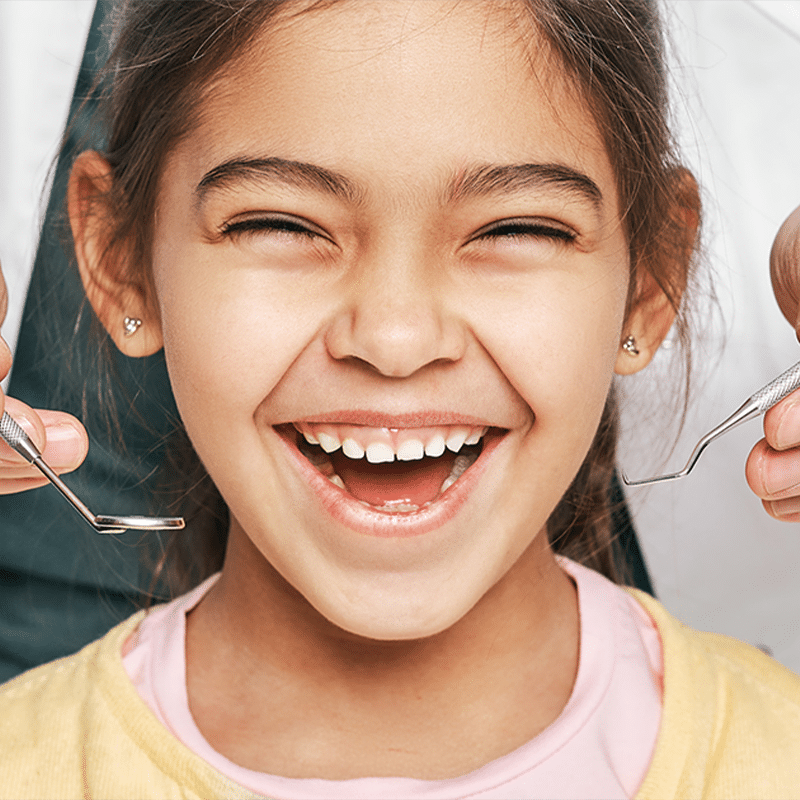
371 521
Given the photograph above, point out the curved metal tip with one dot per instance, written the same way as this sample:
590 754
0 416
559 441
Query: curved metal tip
657 479
624 477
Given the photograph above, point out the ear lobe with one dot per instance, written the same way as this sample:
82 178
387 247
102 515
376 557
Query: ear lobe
647 325
652 310
117 298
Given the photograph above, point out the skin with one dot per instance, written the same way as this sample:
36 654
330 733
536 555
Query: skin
5 353
392 298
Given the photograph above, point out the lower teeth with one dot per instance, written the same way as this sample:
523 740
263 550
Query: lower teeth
460 466
395 506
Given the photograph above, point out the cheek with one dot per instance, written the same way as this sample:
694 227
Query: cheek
229 337
559 356
556 341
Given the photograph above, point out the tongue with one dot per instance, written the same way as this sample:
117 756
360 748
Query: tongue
413 482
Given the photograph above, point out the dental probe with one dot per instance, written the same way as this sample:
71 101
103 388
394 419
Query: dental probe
758 404
17 439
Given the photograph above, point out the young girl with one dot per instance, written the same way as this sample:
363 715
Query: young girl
395 253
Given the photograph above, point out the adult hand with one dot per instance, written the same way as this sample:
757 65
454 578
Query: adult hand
773 467
60 437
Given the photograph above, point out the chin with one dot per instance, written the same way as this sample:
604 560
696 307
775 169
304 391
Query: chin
396 620
402 606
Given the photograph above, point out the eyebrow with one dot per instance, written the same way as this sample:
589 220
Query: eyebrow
280 170
511 178
474 182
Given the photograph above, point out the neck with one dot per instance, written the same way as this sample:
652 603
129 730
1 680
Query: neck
258 653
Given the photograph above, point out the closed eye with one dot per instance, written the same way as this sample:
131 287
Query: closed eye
525 228
276 223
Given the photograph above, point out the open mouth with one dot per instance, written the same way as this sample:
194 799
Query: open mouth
394 470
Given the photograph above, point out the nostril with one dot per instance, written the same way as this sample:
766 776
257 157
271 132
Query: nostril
398 368
395 339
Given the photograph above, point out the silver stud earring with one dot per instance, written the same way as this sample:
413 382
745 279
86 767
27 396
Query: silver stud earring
131 325
629 345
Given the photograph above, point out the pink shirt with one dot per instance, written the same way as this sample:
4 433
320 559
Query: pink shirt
599 747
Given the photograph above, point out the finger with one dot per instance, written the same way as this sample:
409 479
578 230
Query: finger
784 264
5 359
3 296
60 437
772 474
65 447
5 366
787 510
16 485
782 423
5 353
67 442
30 422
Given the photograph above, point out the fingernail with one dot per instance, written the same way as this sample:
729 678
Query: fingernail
9 455
788 432
64 446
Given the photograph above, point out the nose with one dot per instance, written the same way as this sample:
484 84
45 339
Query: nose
395 318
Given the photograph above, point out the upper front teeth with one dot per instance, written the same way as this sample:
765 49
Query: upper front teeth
410 450
455 441
352 449
381 445
435 446
474 438
327 442
378 452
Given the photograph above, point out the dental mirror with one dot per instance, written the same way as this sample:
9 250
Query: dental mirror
17 439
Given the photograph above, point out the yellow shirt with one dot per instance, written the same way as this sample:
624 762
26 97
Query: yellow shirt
76 728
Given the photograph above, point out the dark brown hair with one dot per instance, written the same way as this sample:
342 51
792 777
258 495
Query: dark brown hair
166 53
614 52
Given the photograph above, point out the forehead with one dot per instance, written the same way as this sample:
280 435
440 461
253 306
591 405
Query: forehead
403 86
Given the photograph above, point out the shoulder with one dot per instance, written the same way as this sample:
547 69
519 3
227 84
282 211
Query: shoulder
48 713
711 659
731 718
78 728
62 684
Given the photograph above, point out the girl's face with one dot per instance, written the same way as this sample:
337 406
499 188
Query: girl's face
396 228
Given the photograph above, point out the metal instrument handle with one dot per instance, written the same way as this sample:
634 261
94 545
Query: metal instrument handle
777 389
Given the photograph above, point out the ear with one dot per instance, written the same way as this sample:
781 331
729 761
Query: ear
646 325
118 295
651 311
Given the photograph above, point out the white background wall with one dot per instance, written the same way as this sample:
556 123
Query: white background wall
717 560
41 44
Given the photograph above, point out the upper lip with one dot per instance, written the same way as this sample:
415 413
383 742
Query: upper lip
379 419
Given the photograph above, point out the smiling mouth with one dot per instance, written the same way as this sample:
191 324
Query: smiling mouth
394 470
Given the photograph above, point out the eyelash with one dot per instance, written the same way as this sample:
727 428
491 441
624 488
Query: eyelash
521 229
279 223
506 229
